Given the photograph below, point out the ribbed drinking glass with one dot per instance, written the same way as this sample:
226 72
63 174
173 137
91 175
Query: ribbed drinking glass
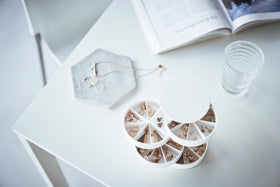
243 61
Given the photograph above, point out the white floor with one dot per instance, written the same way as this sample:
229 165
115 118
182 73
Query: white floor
20 82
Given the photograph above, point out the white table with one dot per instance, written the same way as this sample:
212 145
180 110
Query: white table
244 151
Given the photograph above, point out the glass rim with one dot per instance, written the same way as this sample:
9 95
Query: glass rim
251 45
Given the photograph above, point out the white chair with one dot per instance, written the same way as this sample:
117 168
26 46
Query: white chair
61 24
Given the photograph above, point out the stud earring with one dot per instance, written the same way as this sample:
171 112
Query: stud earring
146 140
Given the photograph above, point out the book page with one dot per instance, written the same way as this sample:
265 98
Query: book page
249 12
179 21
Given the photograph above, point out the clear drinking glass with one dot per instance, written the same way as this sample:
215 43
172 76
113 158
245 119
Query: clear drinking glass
243 60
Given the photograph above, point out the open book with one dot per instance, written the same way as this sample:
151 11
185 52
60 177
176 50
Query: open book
169 24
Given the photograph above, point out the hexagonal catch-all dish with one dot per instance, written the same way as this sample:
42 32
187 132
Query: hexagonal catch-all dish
117 84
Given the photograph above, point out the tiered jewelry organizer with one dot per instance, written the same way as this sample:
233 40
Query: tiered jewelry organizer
161 141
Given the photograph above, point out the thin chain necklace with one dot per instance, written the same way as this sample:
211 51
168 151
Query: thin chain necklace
94 76
159 67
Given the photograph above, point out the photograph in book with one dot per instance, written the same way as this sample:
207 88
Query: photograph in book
238 8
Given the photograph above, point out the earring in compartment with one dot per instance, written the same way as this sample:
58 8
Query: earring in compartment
172 124
202 130
185 127
158 154
174 144
169 157
127 118
188 157
159 119
199 150
145 153
146 138
131 117
183 136
151 112
143 108
210 116
155 136
185 157
133 131
146 157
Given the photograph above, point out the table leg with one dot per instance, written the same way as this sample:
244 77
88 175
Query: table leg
41 58
45 163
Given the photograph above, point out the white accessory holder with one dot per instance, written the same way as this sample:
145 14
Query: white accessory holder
162 141
163 152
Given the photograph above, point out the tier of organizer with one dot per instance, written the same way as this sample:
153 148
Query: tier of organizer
172 153
192 134
148 128
144 124
162 142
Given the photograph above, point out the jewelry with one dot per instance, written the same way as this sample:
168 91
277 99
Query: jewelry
133 131
155 136
130 117
157 156
159 67
210 116
159 121
142 109
150 110
169 157
146 153
185 127
174 144
94 77
173 124
94 82
146 139
199 149
183 136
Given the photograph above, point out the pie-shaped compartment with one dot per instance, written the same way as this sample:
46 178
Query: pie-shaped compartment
194 133
143 124
210 115
191 156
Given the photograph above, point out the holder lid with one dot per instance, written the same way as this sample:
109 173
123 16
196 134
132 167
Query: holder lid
184 101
